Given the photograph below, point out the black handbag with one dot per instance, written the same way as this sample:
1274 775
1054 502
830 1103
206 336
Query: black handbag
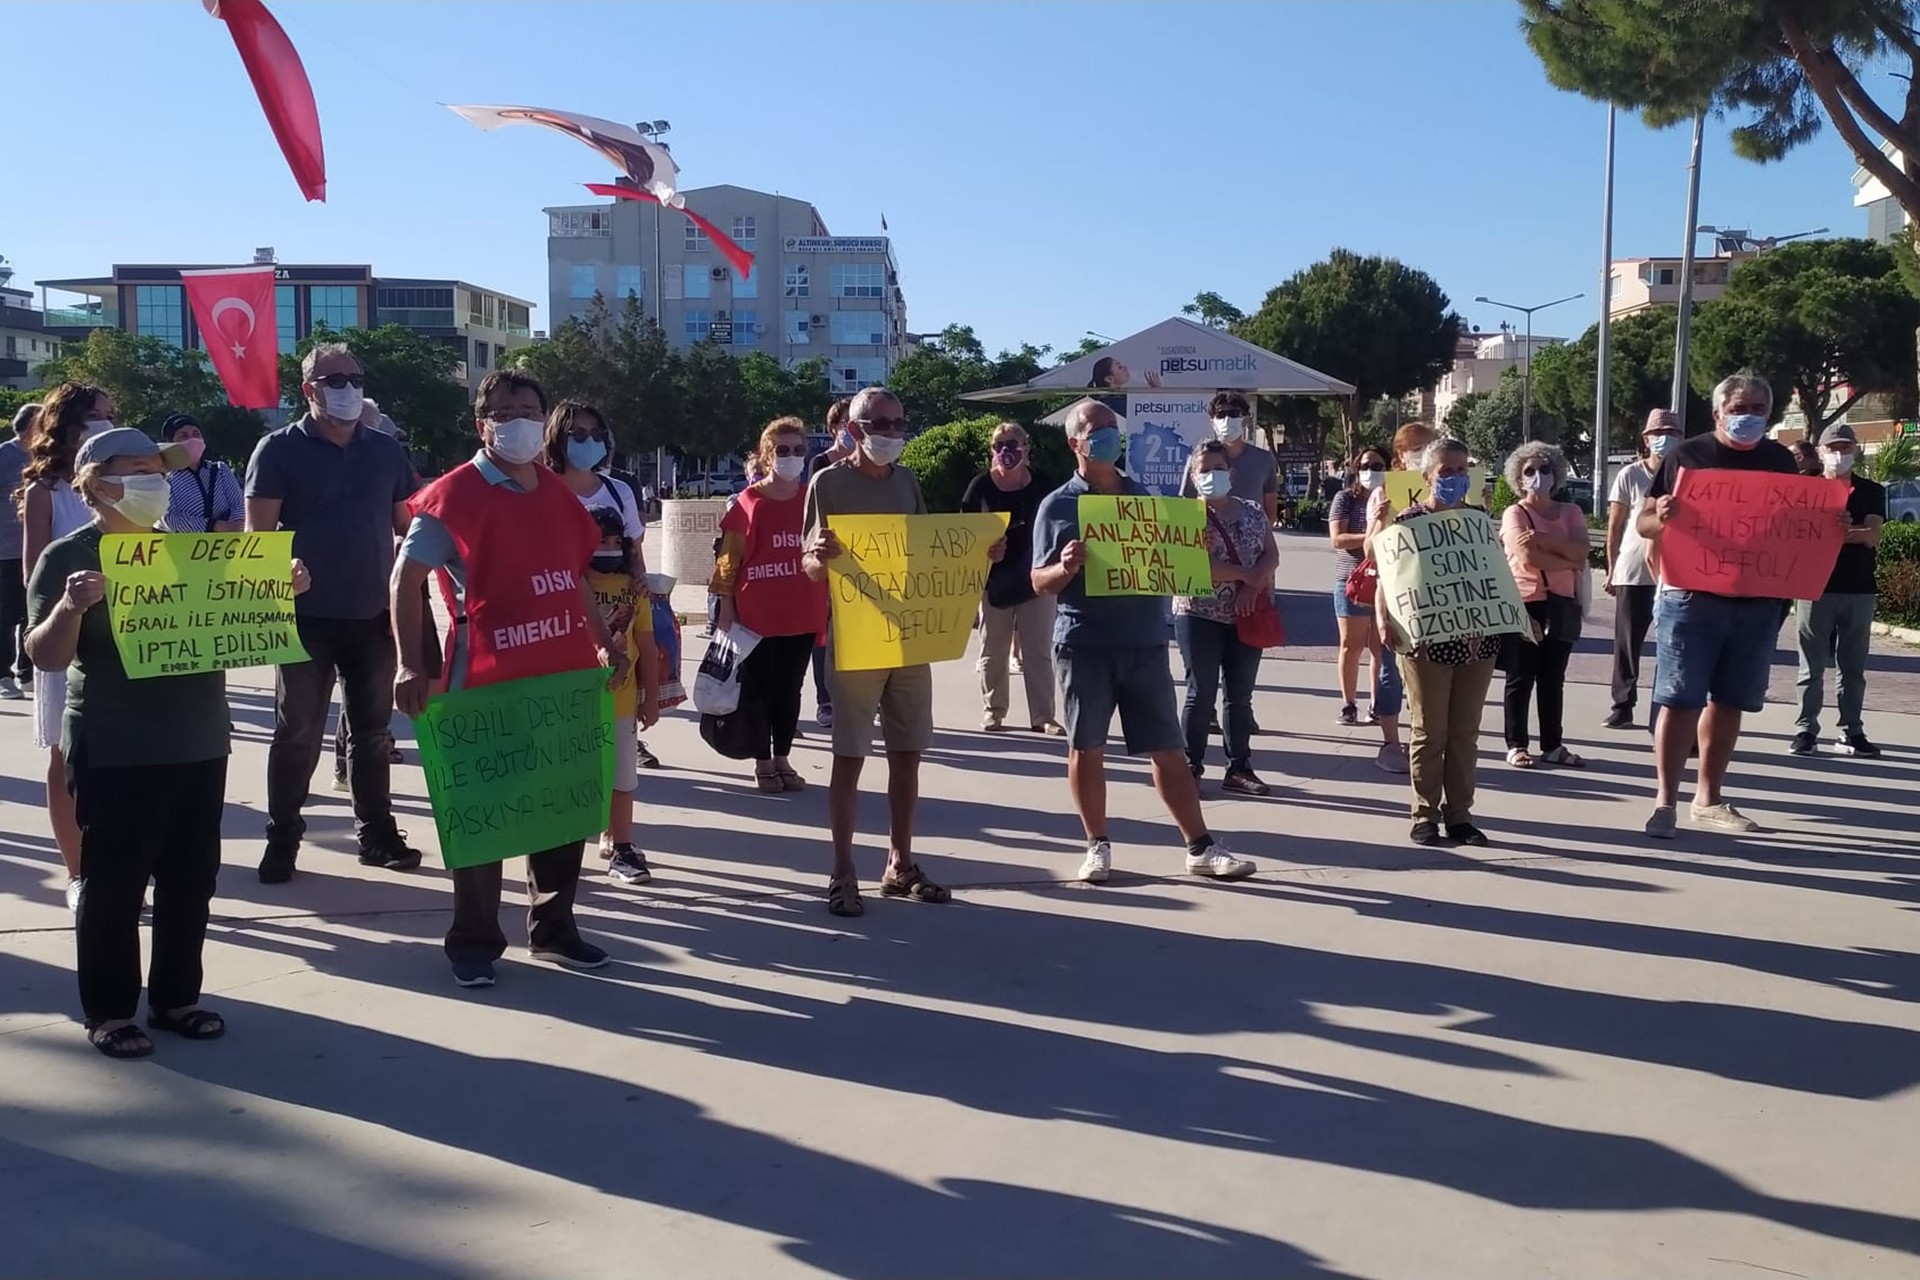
741 734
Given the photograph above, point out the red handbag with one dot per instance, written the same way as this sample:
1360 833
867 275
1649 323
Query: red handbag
1362 583
1262 628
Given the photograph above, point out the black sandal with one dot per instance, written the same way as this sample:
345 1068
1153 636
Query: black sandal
843 897
124 1041
193 1024
913 883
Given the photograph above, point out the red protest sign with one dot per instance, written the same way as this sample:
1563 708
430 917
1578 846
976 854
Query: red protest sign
1753 533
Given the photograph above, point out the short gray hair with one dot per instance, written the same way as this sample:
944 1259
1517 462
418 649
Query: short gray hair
865 397
1734 384
1078 415
322 351
1534 451
23 418
1430 457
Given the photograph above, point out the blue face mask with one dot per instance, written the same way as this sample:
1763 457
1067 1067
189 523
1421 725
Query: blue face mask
1450 491
1746 428
1104 445
585 455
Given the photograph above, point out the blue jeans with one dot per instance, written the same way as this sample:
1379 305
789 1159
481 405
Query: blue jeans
1212 654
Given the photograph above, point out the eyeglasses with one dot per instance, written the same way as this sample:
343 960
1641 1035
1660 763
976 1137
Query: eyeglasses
499 416
883 426
789 451
1537 471
583 433
339 380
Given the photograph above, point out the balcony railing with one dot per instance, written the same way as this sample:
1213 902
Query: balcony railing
79 318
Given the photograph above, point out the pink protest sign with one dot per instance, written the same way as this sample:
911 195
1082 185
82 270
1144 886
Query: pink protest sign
1753 533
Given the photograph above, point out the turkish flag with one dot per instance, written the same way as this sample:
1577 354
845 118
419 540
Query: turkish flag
281 82
742 260
234 307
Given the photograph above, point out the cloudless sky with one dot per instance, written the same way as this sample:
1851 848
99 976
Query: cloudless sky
1046 168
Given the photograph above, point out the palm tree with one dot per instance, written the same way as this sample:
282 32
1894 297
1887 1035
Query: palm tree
1897 460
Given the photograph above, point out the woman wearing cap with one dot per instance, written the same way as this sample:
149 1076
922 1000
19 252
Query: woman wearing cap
146 761
1547 547
204 494
50 509
758 580
1447 680
1012 610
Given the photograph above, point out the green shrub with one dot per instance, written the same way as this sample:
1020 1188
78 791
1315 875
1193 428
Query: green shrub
947 457
1897 575
1503 497
1310 514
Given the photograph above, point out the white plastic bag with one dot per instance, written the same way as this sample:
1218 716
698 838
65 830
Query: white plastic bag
716 689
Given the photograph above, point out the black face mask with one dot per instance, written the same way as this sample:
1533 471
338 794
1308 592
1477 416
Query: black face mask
608 562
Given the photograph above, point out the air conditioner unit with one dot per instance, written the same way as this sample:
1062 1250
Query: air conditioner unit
819 321
719 273
720 315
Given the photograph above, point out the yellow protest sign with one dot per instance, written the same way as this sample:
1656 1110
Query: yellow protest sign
1139 546
905 588
1444 576
184 603
1407 487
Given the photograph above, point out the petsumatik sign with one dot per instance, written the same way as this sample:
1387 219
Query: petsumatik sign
186 603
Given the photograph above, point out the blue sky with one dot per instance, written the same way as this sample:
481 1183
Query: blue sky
1046 168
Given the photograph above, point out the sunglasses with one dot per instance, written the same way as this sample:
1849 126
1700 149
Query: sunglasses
789 451
883 426
1537 471
1009 446
339 380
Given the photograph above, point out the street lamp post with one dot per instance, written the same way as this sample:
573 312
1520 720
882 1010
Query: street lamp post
1526 355
655 131
1603 373
1683 322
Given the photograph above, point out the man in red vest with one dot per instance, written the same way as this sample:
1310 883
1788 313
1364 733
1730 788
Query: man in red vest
504 532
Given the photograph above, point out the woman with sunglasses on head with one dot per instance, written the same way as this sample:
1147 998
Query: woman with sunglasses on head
758 578
1547 547
1013 611
50 508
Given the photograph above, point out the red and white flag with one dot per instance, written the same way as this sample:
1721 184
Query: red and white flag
234 307
281 82
647 164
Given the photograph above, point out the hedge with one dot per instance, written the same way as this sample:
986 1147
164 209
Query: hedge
1897 575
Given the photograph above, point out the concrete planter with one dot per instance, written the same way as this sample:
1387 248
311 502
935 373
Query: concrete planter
688 527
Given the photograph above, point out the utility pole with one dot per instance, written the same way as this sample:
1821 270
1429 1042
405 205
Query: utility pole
1603 381
1684 320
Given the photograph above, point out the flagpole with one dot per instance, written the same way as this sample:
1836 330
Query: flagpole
1603 381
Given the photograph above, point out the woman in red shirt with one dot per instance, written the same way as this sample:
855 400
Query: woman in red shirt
758 580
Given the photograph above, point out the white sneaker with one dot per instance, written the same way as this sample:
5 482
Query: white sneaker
1722 817
1099 862
9 691
1015 666
73 895
1218 863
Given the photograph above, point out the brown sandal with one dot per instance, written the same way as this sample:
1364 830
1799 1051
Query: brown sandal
843 897
768 781
913 883
789 780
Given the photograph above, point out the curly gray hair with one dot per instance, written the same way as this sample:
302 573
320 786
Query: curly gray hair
1534 452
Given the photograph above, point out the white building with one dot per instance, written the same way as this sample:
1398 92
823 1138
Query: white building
1885 218
25 344
1478 362
810 294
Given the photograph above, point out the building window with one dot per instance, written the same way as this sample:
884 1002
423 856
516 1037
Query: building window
699 324
859 280
746 328
746 286
696 240
335 306
699 280
745 232
569 224
286 309
519 318
797 335
157 312
1613 286
581 281
796 279
487 312
630 282
857 328
849 376
1664 275
479 355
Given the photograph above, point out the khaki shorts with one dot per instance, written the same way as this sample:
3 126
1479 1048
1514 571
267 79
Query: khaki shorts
903 698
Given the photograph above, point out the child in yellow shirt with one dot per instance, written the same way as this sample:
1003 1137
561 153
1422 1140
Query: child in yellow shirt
630 619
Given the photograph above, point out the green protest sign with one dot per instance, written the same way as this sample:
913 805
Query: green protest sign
185 603
1141 546
519 767
1444 576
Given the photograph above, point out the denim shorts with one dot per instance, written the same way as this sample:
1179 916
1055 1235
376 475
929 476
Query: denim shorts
1345 608
1135 680
1712 648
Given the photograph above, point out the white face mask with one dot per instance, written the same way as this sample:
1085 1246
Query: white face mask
93 429
1839 462
343 403
1229 430
1371 479
143 499
789 468
1213 484
882 451
1540 482
520 440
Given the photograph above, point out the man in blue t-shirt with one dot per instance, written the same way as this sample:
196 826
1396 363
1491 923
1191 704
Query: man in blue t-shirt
1111 655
